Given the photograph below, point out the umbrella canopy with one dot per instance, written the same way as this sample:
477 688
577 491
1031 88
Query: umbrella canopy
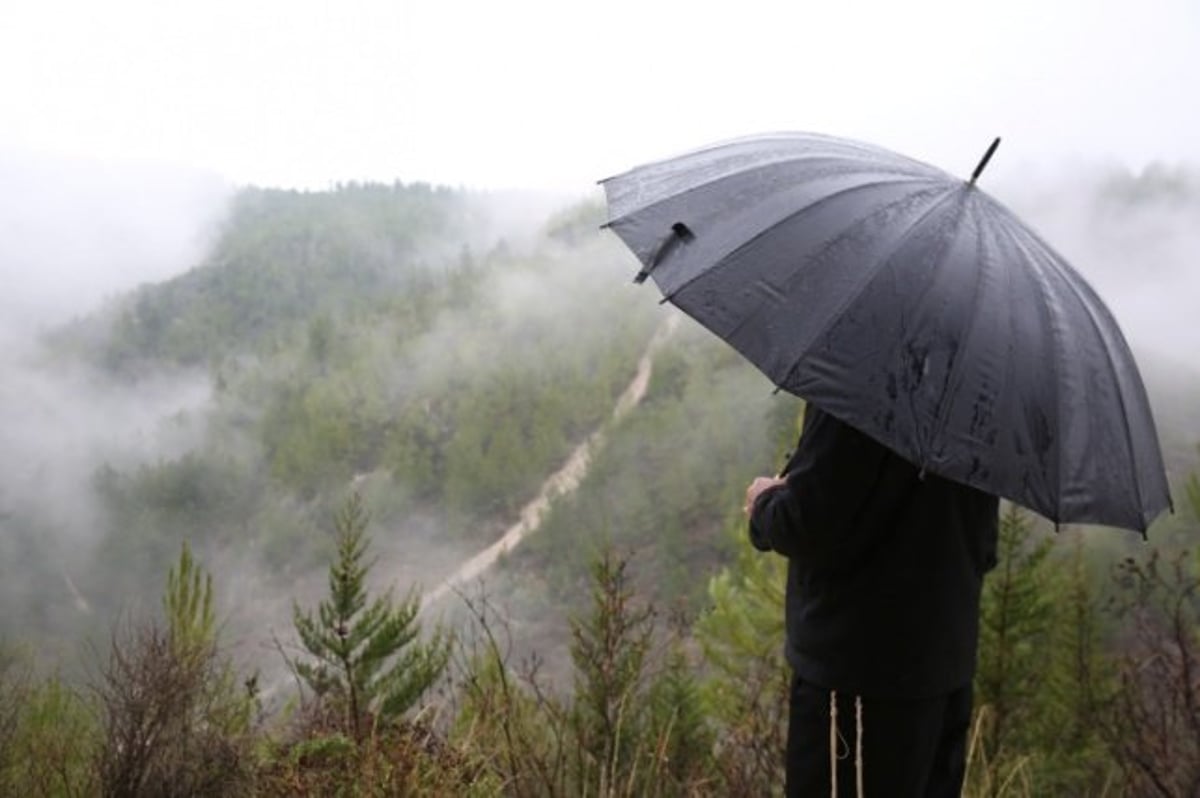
912 306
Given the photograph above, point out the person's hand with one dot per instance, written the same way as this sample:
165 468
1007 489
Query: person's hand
756 489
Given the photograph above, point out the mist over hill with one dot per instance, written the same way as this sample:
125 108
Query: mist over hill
185 364
227 365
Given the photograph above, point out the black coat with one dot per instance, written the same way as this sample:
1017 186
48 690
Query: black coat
885 565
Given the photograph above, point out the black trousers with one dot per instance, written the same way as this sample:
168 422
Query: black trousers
910 748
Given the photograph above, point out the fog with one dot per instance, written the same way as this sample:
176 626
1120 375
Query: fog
74 233
78 233
536 93
78 230
1133 235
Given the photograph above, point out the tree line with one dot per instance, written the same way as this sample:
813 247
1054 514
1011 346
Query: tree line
1085 686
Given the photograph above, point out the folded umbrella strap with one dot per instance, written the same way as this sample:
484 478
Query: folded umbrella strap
680 233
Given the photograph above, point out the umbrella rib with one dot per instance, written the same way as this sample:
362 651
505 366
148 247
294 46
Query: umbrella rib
868 278
724 258
838 147
1016 230
741 141
949 395
1099 330
809 138
875 165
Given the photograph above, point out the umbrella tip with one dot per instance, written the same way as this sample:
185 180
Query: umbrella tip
983 162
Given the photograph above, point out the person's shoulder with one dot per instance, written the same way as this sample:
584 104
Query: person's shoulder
826 434
829 426
816 418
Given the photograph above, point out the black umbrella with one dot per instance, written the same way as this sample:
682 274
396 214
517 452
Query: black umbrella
909 304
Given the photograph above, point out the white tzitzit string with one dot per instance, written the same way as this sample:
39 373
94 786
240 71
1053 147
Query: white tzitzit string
858 745
833 740
835 737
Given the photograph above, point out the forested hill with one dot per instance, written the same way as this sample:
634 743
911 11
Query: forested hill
404 342
284 258
417 347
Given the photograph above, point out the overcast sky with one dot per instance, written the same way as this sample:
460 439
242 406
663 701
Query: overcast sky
556 94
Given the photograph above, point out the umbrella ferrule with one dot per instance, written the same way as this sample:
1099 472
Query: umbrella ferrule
983 162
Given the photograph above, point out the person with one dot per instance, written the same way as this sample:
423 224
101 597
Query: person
885 571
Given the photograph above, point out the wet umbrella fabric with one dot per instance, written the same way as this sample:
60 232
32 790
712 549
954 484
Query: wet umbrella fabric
909 304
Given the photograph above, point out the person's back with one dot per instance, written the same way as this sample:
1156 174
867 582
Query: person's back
885 572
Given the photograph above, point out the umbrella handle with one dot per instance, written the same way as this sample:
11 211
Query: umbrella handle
987 156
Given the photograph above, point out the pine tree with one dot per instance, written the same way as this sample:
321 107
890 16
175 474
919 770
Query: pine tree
174 719
1016 625
678 725
608 648
366 654
1066 732
188 604
742 637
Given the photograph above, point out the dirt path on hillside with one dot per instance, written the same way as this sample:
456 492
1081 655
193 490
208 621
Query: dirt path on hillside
563 481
